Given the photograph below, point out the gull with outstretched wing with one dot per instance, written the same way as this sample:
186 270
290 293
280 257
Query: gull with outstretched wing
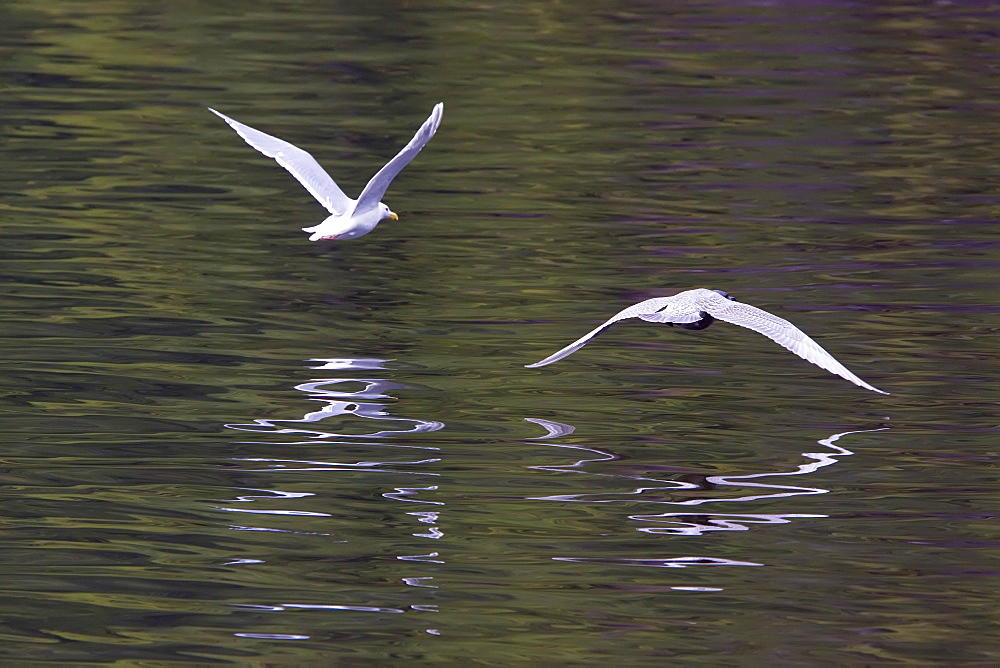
699 308
350 218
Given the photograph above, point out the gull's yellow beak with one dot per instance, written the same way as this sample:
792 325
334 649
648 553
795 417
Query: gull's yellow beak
393 216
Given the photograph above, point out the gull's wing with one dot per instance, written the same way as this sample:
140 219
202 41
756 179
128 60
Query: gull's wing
299 163
373 192
782 332
573 347
633 311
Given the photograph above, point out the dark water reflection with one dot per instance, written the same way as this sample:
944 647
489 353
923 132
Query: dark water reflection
180 486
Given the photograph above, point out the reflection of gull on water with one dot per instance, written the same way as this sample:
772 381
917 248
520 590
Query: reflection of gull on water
373 389
349 363
820 459
299 465
672 562
558 429
367 399
342 397
343 401
706 522
699 523
554 429
688 524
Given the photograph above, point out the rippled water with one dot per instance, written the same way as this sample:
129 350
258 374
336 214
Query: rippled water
226 444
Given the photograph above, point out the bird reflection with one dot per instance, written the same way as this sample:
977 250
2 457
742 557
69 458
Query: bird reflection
710 488
339 401
354 402
670 491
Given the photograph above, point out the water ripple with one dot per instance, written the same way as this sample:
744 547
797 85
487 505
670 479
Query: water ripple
701 483
687 523
670 562
318 390
333 466
362 400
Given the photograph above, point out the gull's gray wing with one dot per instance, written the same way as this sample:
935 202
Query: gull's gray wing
780 331
633 311
373 192
299 163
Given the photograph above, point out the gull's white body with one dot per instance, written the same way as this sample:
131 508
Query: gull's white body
350 218
691 306
349 225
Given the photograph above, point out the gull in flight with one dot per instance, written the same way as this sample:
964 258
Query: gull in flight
699 308
351 218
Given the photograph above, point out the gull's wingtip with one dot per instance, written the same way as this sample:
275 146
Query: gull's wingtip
867 386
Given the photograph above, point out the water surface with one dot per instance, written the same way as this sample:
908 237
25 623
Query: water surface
226 444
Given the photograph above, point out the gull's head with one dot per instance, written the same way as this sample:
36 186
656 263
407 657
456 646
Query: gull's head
724 294
384 212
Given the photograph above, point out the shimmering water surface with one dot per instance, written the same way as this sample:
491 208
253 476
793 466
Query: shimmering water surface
226 444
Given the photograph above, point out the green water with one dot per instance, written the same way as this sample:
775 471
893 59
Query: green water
226 444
